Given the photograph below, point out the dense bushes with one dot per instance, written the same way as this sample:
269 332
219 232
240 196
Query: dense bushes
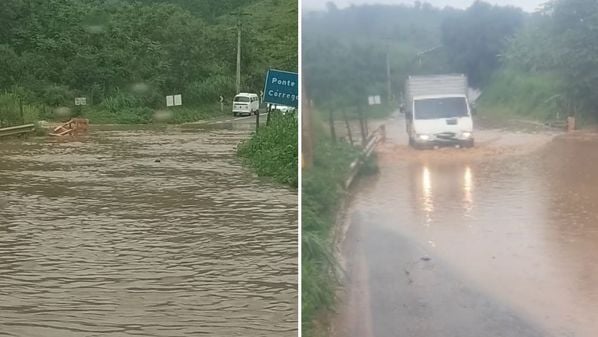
126 56
10 111
273 151
550 67
513 92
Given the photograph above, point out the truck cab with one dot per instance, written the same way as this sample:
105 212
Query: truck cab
438 111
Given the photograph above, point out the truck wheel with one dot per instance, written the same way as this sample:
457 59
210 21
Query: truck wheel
415 145
469 143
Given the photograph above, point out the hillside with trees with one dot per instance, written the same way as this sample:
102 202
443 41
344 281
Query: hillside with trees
345 50
125 56
539 64
551 67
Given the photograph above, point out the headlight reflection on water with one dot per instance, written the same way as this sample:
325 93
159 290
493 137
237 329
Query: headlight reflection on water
467 190
428 202
464 183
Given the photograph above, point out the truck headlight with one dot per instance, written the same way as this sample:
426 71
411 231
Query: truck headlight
423 137
466 134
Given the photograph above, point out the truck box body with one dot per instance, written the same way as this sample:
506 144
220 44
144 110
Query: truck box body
435 85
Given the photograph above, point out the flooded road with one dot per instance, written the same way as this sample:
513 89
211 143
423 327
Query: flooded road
152 232
500 240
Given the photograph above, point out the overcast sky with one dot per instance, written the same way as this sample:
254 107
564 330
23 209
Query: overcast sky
528 5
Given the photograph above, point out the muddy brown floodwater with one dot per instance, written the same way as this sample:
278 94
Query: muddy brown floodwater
144 233
500 240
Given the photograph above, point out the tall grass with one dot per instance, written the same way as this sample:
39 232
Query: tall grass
146 115
10 111
321 194
520 93
273 151
121 108
192 114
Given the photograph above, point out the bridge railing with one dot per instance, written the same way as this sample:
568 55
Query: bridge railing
17 130
376 137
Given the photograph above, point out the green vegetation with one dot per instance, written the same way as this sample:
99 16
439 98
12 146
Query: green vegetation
126 56
345 51
322 191
512 93
11 107
273 150
539 65
554 56
473 39
143 115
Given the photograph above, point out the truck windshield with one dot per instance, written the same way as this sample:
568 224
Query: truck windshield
435 108
241 99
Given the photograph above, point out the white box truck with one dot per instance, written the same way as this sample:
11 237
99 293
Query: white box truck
438 111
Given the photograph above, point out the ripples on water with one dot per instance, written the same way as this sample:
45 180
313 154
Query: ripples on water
98 238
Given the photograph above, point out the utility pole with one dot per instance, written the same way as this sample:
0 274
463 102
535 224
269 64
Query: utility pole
307 134
388 81
239 54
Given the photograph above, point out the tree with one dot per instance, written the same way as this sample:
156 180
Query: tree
475 38
575 23
106 48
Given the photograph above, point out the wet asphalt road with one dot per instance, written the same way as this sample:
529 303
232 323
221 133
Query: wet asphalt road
499 240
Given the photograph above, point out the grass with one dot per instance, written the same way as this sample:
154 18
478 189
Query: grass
144 115
321 195
538 96
514 93
10 111
112 111
273 150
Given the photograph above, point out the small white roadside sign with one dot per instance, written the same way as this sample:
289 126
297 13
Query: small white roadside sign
374 100
80 101
174 100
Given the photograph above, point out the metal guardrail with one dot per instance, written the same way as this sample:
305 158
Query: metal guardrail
379 135
16 130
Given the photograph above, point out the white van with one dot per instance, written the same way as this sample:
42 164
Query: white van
438 111
246 104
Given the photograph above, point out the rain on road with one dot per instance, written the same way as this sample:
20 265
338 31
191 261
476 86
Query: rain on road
499 240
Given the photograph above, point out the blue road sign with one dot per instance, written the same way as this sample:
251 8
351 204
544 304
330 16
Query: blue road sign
282 88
